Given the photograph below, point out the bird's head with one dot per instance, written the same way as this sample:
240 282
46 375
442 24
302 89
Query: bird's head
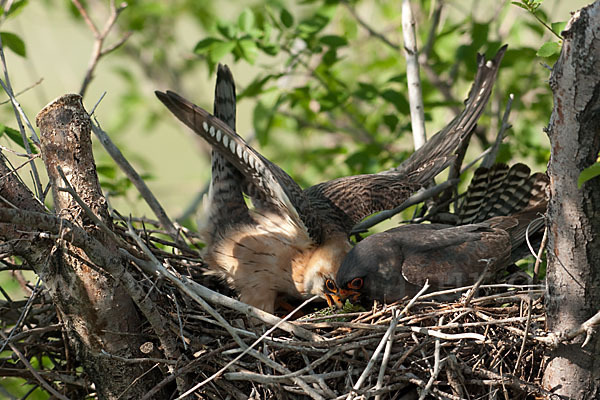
322 265
372 269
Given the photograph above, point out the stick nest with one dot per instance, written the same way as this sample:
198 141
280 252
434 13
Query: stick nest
466 348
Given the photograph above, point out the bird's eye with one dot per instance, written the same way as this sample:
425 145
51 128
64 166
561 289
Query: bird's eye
356 283
330 285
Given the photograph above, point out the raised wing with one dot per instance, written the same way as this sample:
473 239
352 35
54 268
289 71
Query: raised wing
270 181
343 202
350 199
447 140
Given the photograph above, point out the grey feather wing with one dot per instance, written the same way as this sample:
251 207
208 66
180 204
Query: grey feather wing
345 201
451 257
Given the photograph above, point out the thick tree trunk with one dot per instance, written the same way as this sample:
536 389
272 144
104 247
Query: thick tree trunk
98 314
573 276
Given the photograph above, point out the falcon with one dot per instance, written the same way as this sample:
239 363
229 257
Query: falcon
500 207
290 241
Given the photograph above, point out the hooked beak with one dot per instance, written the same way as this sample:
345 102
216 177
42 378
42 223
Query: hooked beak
334 301
337 300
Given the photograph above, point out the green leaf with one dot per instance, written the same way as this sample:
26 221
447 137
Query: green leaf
391 120
218 50
330 57
558 27
204 45
13 42
246 20
255 87
248 49
518 4
333 40
397 99
227 29
366 91
15 136
286 18
548 49
588 173
16 8
107 171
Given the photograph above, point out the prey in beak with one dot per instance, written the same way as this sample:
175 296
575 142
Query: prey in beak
336 297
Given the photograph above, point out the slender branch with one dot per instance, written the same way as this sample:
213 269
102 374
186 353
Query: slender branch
386 354
369 29
389 333
98 52
415 298
554 339
490 158
437 365
20 117
525 334
99 223
431 36
415 96
538 258
28 88
137 181
477 284
257 341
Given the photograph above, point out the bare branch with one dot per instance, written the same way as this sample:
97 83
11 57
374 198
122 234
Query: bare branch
137 181
490 158
98 52
415 97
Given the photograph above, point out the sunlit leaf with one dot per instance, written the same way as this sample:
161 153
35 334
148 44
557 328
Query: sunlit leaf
588 173
218 50
246 20
249 50
13 42
548 49
558 27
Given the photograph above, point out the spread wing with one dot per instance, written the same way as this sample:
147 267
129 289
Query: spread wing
348 200
343 202
269 181
447 140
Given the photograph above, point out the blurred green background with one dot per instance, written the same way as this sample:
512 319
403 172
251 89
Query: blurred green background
322 84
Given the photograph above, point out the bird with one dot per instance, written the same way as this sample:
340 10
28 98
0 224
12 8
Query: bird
500 207
291 241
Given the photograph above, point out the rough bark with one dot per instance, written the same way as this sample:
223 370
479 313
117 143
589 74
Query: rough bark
573 276
97 312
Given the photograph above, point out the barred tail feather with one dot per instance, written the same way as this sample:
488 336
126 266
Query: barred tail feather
502 191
